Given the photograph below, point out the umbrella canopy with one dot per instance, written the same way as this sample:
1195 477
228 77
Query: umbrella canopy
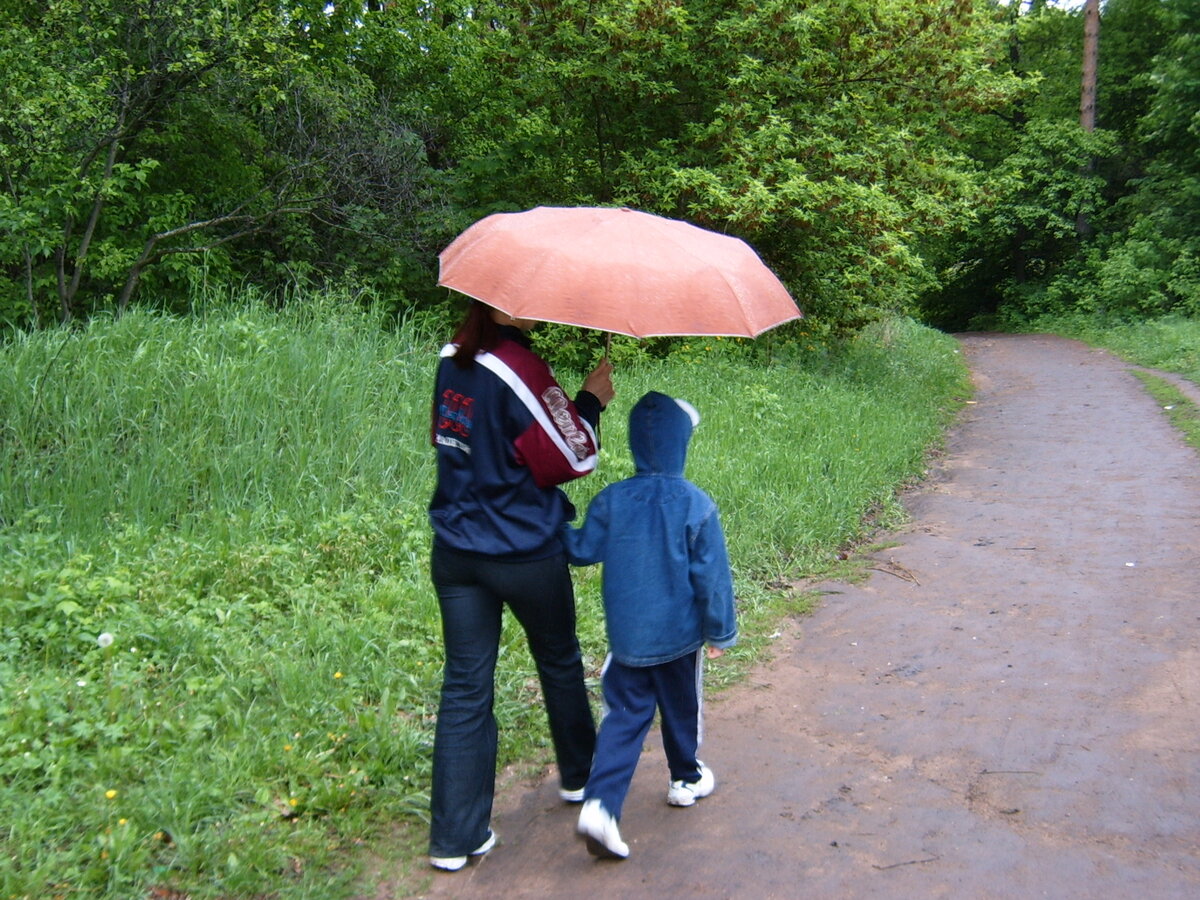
616 270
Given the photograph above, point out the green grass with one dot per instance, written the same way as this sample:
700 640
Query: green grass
238 499
1182 412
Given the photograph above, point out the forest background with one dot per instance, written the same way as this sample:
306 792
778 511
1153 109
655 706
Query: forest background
921 156
219 227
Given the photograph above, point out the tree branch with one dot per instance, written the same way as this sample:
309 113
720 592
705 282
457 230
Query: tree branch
150 255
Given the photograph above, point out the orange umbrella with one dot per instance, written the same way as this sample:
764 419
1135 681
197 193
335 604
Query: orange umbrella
616 270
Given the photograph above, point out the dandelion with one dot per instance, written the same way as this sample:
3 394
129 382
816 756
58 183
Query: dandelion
337 674
110 794
287 748
122 821
105 639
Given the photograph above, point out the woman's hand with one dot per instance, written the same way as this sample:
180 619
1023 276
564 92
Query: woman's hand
599 382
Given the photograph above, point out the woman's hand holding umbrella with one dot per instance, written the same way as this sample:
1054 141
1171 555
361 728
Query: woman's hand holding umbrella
599 382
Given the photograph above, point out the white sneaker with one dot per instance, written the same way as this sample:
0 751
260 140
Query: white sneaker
685 793
600 831
571 796
454 863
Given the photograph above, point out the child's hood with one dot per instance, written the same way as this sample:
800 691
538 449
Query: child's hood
659 430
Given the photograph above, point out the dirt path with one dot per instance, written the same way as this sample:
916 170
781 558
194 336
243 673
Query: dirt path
1008 708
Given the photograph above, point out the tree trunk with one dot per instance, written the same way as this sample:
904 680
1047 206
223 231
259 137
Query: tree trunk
1087 95
1091 54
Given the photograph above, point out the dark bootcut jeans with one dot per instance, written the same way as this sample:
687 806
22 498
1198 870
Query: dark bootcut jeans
472 592
631 695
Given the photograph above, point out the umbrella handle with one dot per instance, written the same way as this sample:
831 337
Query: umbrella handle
607 343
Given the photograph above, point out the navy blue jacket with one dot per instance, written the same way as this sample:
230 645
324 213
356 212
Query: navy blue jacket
506 435
666 581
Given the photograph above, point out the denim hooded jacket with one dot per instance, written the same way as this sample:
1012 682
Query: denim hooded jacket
666 580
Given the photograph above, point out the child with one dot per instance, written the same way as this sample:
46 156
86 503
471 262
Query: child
667 591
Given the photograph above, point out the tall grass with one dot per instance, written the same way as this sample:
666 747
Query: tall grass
238 500
167 422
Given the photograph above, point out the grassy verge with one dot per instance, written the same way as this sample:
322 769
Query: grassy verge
219 654
1183 413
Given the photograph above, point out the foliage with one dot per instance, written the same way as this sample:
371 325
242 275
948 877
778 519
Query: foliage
170 145
266 702
1149 265
1163 210
96 78
823 135
874 153
1039 191
1133 182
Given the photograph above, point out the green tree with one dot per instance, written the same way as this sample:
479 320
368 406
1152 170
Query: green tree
163 143
1152 265
424 65
1021 260
102 89
1034 159
823 133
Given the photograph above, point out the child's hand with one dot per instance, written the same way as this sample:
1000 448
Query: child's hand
713 652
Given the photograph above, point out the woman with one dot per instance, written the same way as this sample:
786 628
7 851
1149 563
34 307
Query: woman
506 435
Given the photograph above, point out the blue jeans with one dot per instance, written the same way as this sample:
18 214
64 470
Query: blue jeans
631 694
472 592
